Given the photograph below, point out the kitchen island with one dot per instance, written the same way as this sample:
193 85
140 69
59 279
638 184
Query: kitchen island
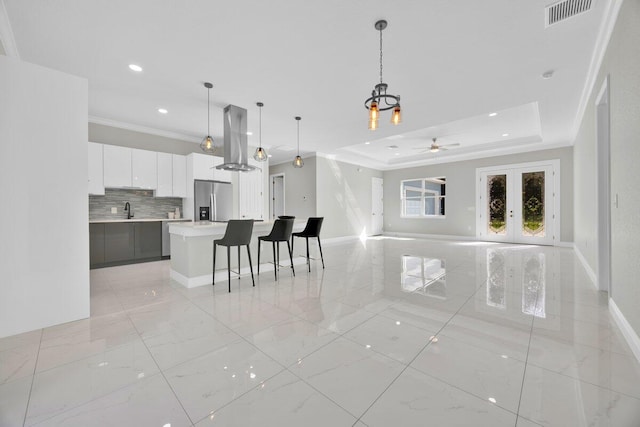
192 252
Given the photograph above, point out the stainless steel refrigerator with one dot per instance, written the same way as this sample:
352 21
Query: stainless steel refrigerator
213 200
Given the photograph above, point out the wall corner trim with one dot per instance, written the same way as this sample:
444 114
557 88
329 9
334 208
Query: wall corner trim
629 334
602 42
592 274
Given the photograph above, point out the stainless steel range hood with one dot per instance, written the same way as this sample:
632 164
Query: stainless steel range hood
235 140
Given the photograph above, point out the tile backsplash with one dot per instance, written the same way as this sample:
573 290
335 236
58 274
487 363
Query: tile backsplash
142 202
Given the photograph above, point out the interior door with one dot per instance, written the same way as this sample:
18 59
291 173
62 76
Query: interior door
377 206
517 204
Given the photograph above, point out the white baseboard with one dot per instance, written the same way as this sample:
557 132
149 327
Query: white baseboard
629 334
592 274
431 236
221 275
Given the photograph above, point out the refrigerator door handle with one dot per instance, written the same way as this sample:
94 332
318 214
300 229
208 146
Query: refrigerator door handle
214 207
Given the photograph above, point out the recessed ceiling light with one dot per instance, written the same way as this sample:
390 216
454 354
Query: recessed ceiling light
492 399
269 156
367 143
493 114
397 154
505 134
249 133
547 74
163 110
135 68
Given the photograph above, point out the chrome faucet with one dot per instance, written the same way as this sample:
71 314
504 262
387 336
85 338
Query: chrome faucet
127 207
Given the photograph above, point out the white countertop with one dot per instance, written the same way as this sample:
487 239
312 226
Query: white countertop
104 221
206 228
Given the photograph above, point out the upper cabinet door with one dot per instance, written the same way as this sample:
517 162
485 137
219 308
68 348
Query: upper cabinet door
179 175
96 171
117 166
144 169
220 175
165 175
202 166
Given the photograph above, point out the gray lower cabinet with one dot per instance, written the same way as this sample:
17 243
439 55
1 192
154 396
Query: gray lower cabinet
148 240
96 245
124 242
119 241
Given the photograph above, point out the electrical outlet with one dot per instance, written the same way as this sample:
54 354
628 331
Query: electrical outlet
114 210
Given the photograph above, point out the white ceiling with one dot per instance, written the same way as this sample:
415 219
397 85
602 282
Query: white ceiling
453 63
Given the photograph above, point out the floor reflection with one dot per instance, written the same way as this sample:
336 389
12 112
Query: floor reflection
424 275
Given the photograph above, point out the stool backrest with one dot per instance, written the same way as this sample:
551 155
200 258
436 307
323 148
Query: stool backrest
238 232
282 229
312 229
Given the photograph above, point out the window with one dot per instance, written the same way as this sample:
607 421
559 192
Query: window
423 197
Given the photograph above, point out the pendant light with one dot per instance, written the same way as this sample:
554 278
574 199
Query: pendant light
260 154
298 162
380 100
207 143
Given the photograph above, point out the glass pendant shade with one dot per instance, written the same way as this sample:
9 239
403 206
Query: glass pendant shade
298 162
207 145
260 154
373 124
396 117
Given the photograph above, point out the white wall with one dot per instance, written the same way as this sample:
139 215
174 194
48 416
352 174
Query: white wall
344 197
299 187
621 63
44 258
460 202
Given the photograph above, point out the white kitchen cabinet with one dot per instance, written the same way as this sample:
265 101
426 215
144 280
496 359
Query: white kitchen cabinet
96 169
220 175
201 166
179 183
251 191
144 169
165 175
117 166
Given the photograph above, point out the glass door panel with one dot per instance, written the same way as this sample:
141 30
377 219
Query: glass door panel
533 204
497 204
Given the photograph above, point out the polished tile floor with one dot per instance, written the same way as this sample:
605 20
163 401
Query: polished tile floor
402 332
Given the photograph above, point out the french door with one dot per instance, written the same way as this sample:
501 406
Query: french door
517 203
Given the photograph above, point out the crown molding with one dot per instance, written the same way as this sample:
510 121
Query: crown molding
6 33
612 9
143 129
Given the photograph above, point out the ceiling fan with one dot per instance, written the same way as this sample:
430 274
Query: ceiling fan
435 147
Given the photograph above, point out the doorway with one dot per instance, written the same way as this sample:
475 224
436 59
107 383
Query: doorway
377 206
603 212
276 195
519 203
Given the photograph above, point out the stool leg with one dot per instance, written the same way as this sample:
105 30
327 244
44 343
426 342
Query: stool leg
278 254
320 247
238 262
275 265
291 258
258 255
213 277
308 260
229 266
250 266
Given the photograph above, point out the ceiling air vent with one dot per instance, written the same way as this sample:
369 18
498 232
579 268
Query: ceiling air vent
565 9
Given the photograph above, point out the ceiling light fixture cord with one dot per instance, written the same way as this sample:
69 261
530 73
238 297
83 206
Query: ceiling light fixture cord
380 54
260 126
298 119
208 112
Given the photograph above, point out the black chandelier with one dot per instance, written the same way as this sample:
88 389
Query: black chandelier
380 100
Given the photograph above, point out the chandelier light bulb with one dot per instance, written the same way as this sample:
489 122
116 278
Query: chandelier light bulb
298 162
396 117
373 111
373 124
